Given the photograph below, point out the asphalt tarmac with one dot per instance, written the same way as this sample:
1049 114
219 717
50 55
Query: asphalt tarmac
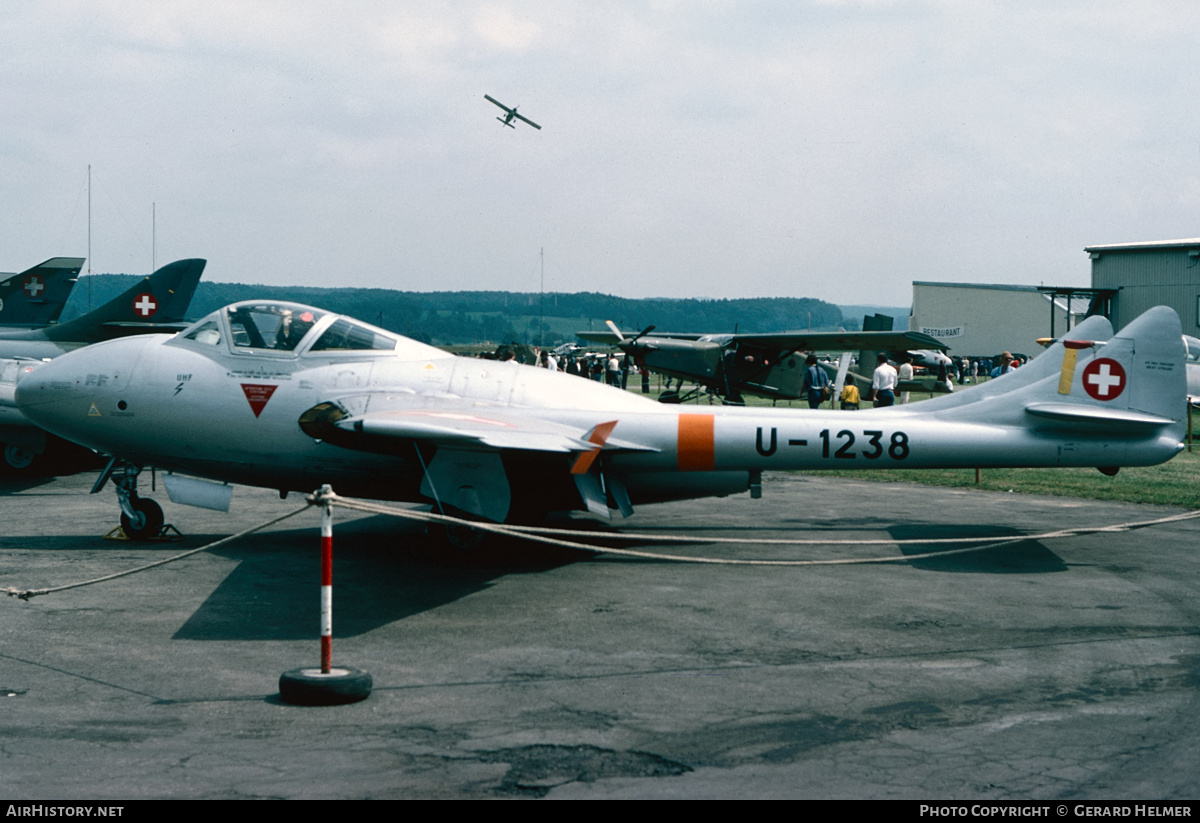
1055 669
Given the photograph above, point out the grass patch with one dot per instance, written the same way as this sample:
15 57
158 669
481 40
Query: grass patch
1174 483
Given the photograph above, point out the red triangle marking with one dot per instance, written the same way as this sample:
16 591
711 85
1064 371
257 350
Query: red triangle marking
258 395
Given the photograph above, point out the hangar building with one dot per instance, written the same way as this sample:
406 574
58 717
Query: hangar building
983 320
1144 275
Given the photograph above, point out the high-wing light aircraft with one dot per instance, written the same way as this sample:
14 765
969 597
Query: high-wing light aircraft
289 397
155 303
731 365
36 297
510 114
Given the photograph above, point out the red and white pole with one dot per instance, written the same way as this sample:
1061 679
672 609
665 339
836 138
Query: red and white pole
326 686
327 588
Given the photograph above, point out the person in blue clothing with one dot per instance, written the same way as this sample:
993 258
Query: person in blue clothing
1006 365
816 382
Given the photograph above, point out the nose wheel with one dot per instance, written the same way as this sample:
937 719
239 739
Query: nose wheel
141 517
147 520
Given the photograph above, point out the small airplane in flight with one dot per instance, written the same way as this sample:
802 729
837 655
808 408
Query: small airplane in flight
289 397
156 303
733 365
510 114
36 297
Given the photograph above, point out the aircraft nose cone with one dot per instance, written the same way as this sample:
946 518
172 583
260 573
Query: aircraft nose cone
59 395
42 390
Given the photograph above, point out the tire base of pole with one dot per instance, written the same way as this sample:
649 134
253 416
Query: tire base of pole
310 687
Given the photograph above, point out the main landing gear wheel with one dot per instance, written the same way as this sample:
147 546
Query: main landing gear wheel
17 458
149 521
463 538
310 687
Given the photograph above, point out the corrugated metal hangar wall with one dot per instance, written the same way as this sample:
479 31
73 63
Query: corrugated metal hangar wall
1159 273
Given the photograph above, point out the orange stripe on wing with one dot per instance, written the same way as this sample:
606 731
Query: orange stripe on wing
598 437
696 449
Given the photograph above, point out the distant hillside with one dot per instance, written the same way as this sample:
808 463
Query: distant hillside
477 317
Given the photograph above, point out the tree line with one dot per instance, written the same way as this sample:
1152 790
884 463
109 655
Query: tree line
477 317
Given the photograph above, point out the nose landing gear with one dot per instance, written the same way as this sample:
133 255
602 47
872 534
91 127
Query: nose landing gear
141 517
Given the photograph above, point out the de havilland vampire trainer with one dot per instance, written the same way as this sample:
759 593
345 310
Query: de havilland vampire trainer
290 397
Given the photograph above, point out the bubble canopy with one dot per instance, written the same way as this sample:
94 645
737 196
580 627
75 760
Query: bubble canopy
271 326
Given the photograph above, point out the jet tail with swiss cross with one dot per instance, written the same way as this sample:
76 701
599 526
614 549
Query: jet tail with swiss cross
157 302
1129 385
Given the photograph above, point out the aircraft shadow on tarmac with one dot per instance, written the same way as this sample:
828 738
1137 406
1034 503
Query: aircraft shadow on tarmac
1028 557
382 572
385 571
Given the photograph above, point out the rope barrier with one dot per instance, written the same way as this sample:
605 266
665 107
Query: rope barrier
542 535
26 594
545 535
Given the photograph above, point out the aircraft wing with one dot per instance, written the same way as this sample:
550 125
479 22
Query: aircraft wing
387 431
525 119
843 340
491 99
801 340
611 339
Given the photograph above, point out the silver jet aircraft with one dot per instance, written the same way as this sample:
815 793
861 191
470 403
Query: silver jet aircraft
290 397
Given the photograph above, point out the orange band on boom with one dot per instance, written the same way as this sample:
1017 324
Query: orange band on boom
696 450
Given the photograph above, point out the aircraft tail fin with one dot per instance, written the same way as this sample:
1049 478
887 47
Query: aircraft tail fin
36 296
158 300
1130 384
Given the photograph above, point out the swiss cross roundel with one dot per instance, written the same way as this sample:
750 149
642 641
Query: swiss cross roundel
1104 379
144 305
34 286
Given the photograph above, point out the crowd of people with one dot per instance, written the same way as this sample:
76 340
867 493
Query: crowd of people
599 367
890 384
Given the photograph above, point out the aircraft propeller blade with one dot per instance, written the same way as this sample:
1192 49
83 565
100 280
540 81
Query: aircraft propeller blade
642 333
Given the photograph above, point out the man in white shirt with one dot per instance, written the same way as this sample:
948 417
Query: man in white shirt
884 383
905 372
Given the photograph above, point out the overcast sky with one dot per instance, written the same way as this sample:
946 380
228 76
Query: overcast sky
837 149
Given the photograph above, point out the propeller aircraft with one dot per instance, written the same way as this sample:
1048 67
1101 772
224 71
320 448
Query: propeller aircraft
510 114
732 365
286 396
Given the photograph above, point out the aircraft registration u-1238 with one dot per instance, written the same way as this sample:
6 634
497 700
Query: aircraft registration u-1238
290 397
